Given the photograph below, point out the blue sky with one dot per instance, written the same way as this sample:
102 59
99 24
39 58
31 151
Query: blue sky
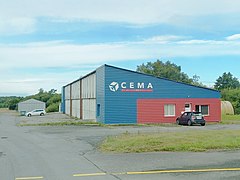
49 43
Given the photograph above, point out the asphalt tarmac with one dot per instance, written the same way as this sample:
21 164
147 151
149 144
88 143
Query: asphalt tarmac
71 153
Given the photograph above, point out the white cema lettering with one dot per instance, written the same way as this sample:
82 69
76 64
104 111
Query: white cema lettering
131 85
123 85
150 86
140 85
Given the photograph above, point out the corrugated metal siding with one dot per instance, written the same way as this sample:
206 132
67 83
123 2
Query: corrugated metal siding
30 106
75 98
67 107
67 92
152 110
89 109
100 96
81 92
76 108
75 90
89 97
121 107
89 86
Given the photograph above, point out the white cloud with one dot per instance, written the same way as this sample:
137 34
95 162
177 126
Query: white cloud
233 37
16 25
26 83
164 39
84 58
19 15
27 88
60 54
199 42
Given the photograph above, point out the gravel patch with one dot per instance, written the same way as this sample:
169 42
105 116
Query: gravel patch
47 118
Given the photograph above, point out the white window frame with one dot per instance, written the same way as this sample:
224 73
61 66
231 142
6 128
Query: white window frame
169 110
200 109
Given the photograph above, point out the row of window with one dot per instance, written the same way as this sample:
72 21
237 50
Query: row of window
169 109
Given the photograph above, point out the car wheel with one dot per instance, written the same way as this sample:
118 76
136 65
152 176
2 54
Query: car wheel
41 114
177 121
203 124
189 123
29 115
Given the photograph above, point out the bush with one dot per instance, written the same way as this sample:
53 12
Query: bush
12 107
53 107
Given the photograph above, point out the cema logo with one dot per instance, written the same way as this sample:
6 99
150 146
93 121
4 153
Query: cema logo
131 86
114 86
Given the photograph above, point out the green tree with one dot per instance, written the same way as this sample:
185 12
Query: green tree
52 91
232 95
53 103
227 81
12 103
41 91
51 98
165 70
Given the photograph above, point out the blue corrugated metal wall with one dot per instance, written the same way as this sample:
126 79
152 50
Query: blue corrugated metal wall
120 107
63 100
100 94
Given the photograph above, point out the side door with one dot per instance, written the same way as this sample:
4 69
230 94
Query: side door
188 117
35 112
188 107
184 118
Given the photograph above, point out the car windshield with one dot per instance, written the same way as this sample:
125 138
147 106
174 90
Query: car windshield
197 113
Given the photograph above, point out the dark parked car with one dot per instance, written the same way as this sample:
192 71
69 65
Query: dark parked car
190 118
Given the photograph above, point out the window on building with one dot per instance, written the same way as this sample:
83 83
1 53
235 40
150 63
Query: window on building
169 110
204 109
197 108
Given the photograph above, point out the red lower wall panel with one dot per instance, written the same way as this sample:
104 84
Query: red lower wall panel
152 110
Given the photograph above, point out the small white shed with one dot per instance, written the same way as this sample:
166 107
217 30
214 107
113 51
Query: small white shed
30 105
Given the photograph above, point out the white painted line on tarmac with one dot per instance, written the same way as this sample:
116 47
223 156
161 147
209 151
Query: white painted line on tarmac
90 174
159 172
184 171
29 178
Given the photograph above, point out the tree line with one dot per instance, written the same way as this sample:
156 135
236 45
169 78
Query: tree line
51 98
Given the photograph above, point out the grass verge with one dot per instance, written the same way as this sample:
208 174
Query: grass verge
230 119
64 123
195 141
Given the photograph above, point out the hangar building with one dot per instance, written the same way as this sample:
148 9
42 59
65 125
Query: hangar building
29 105
113 95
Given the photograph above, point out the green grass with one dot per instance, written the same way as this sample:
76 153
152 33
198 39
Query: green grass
230 119
195 141
64 123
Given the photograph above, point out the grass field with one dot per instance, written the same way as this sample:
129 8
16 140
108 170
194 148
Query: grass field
4 110
196 141
230 119
64 123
